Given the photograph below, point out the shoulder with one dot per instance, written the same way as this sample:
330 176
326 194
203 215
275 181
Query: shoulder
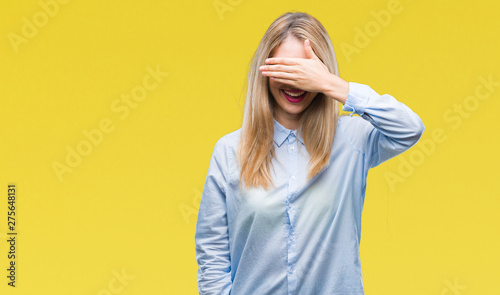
224 152
228 143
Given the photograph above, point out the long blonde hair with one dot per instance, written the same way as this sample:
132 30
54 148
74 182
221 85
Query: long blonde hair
318 122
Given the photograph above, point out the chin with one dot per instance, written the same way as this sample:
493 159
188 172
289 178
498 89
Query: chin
294 110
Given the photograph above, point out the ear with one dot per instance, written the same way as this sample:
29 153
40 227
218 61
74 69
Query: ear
309 51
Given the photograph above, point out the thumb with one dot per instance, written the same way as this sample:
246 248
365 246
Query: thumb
309 51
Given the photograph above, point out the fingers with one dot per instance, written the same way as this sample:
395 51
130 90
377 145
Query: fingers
278 75
281 68
309 51
282 60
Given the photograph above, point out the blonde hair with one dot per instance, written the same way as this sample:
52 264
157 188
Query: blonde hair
318 122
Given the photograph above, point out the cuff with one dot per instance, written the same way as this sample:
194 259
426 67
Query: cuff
357 98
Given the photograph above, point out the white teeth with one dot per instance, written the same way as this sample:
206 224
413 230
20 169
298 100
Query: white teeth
294 94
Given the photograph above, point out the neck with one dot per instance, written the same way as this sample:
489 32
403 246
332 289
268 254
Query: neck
288 121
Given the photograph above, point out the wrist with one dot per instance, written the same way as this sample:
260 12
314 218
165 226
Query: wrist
337 89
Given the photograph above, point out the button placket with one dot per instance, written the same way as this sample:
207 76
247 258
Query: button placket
289 240
292 188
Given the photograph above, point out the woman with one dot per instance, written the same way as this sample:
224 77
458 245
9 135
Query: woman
280 212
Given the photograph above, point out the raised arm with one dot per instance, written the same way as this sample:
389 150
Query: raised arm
211 236
393 128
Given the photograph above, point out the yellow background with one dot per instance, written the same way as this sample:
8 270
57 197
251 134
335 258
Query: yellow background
131 204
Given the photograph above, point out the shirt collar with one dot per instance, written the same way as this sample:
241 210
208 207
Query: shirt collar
281 133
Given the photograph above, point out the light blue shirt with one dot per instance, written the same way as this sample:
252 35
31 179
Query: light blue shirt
301 237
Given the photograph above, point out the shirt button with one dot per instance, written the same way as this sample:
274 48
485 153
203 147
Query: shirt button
290 270
292 177
292 147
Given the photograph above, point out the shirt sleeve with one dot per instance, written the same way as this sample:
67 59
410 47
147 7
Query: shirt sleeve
393 128
211 236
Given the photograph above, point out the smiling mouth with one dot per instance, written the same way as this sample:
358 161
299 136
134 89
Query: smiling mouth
294 92
294 96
